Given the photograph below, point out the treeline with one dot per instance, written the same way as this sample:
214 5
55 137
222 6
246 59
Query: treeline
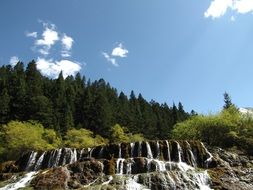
76 103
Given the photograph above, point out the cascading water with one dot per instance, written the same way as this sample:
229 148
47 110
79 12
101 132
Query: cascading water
21 183
132 149
149 152
168 152
193 160
57 158
73 156
174 162
31 160
39 162
179 149
158 149
120 166
208 160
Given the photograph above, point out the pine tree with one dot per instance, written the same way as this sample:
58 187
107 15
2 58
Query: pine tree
227 101
18 93
4 106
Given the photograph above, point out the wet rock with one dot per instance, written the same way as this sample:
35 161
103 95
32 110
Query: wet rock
53 179
7 167
233 172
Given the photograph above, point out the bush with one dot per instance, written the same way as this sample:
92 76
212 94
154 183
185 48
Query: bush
17 137
82 138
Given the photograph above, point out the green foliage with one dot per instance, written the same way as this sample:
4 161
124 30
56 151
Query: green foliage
53 140
82 138
18 137
118 135
136 138
226 129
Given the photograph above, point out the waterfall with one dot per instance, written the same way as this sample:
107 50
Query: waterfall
193 160
52 156
57 158
149 152
208 160
161 166
91 150
39 162
81 154
132 149
148 163
21 183
129 166
202 179
158 149
32 160
73 156
168 152
120 166
178 169
179 149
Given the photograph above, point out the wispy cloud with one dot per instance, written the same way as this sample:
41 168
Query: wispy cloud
118 52
219 8
67 43
51 68
13 60
31 34
110 59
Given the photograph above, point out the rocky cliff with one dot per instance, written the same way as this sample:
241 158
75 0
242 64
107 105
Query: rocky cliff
140 165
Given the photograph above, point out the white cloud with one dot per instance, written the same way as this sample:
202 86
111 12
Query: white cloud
31 34
243 6
50 37
14 60
119 51
67 43
110 59
51 68
218 8
62 43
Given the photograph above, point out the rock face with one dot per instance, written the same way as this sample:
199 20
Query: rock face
234 171
140 165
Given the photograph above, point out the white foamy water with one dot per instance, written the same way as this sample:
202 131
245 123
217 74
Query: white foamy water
149 152
131 184
21 183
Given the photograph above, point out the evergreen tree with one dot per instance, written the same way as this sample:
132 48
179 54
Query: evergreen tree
18 108
4 106
227 101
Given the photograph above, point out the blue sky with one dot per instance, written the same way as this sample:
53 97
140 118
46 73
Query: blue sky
179 50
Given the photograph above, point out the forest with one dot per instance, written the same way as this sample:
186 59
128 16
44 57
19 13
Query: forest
72 109
40 113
